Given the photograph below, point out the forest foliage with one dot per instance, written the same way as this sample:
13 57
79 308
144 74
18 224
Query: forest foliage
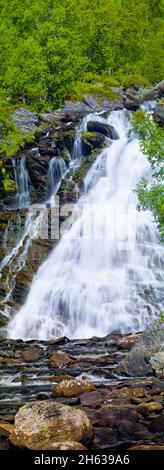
48 47
151 194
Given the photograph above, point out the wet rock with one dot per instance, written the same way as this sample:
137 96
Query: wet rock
31 354
157 424
93 399
72 388
129 393
41 425
138 361
92 141
113 414
157 362
129 430
146 408
6 429
147 447
20 356
25 120
103 437
60 359
128 341
102 128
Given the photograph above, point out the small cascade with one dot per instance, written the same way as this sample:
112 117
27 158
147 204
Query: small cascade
57 170
77 148
106 273
21 181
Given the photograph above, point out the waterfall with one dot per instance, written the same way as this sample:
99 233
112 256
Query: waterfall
77 148
106 272
57 169
21 181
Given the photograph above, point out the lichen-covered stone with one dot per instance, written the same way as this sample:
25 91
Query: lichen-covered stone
39 426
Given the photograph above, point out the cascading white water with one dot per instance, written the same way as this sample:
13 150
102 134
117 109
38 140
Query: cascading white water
57 169
21 181
77 148
106 271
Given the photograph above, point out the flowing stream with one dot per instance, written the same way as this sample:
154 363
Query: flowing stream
106 271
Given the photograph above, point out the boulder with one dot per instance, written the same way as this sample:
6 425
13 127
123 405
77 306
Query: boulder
60 359
92 141
98 102
157 362
155 93
102 128
138 361
42 425
25 119
72 388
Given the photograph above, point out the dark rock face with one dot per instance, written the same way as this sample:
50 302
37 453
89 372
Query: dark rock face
102 128
92 141
139 362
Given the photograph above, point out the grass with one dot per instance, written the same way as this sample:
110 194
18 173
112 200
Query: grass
80 89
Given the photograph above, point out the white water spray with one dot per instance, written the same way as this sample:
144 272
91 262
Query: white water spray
21 181
105 274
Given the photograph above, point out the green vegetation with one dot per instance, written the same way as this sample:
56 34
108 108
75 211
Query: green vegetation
12 137
88 135
49 48
152 144
161 317
52 50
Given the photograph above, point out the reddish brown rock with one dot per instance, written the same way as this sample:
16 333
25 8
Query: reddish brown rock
60 359
20 356
103 437
93 399
72 388
6 429
31 355
128 341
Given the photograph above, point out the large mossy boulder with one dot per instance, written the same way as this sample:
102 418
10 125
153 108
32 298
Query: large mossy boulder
42 425
92 141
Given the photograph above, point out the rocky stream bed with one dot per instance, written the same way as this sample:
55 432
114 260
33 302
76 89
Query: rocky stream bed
73 394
